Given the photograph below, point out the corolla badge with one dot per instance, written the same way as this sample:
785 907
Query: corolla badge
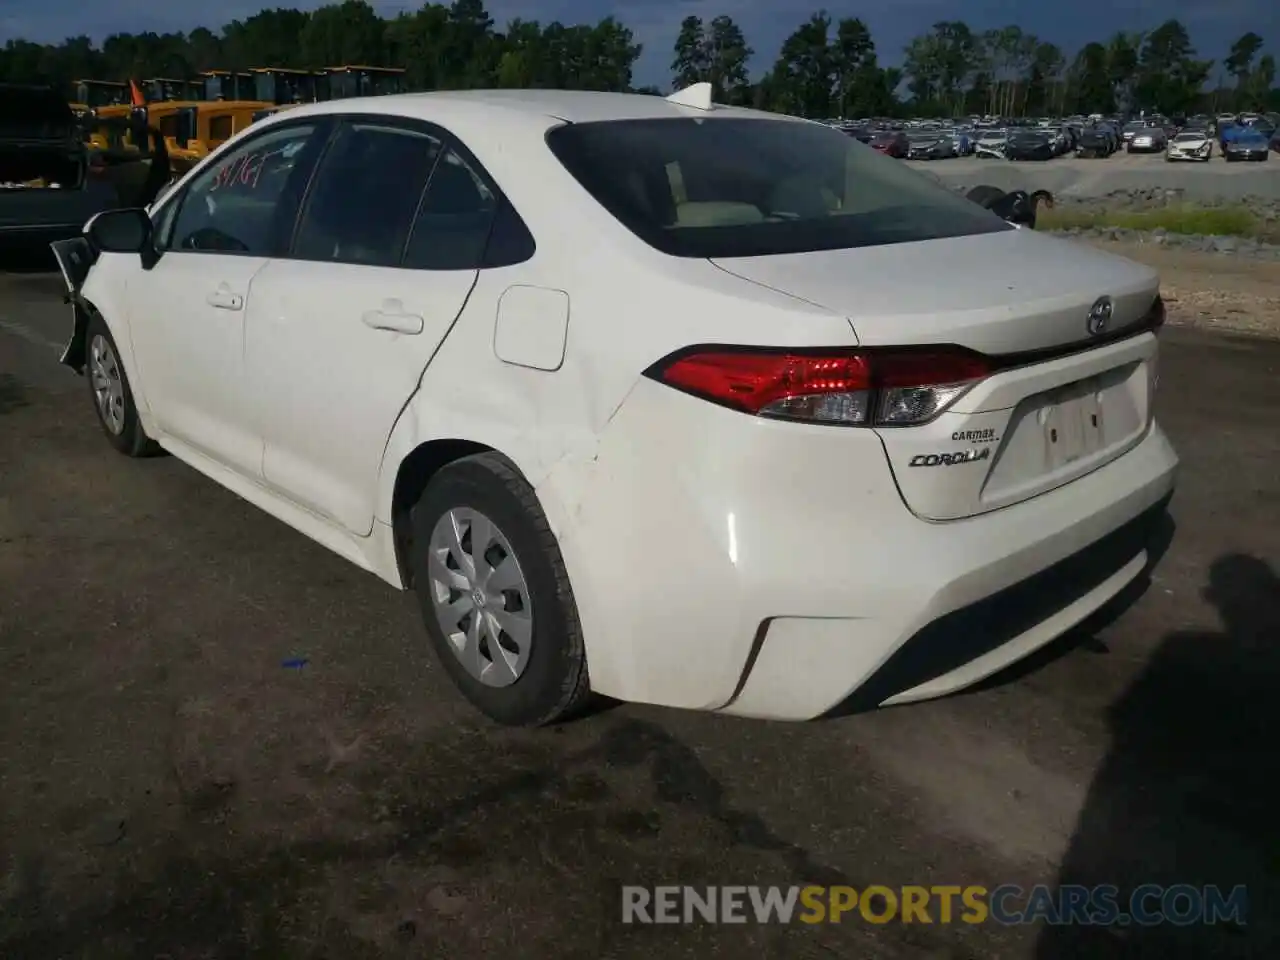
1099 317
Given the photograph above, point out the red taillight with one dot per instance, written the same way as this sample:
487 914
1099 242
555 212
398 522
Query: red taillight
852 388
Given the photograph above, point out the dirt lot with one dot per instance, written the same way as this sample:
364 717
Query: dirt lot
1073 177
173 784
1213 292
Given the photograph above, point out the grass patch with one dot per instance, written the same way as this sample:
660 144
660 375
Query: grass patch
1228 221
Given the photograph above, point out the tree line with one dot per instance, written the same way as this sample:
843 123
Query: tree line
825 68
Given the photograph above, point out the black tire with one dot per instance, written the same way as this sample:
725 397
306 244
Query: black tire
554 684
984 195
131 439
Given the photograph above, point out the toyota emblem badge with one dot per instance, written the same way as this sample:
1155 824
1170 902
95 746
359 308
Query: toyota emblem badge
1099 317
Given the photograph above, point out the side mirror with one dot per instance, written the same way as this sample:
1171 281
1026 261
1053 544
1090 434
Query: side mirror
128 230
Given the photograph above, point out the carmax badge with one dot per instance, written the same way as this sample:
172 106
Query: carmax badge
950 459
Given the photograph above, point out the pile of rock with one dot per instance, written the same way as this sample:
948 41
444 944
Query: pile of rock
1265 209
1197 243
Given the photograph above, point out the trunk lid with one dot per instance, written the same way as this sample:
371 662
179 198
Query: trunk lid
1057 408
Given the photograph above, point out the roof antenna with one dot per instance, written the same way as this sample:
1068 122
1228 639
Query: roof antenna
697 96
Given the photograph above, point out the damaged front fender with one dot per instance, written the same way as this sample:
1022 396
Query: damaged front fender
76 258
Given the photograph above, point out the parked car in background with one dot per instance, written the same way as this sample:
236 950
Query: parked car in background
1190 145
1226 133
991 144
892 143
1061 138
1030 145
1096 142
1246 144
929 145
509 349
49 187
1132 129
962 140
1150 139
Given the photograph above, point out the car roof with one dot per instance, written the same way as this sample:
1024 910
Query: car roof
572 106
505 131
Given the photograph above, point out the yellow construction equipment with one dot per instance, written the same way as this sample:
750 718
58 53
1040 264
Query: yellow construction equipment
92 94
360 81
166 90
277 85
227 85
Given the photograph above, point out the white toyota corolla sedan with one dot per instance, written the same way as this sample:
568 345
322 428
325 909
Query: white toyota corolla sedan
655 399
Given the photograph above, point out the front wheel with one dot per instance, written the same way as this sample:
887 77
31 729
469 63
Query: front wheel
112 397
495 595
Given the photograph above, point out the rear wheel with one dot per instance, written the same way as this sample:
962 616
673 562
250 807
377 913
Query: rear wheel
112 398
495 595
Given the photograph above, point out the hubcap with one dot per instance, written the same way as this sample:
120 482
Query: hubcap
480 596
108 387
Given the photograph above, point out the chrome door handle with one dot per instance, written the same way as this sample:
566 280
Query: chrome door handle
395 322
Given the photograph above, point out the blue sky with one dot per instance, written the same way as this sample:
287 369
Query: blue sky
1214 24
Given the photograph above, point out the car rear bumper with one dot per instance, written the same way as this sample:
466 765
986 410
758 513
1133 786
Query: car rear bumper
772 569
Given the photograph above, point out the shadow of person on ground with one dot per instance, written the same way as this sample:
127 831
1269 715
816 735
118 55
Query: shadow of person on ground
1185 794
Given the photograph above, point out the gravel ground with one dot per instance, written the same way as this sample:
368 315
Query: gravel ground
1071 177
173 787
1208 292
1190 242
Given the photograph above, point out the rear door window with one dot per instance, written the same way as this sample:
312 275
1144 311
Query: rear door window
365 195
453 224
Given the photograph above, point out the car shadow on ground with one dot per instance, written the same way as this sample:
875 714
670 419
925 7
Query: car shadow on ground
1183 795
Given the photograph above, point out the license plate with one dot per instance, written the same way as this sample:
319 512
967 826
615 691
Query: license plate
1073 426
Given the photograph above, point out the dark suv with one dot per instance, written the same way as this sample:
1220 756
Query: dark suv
48 190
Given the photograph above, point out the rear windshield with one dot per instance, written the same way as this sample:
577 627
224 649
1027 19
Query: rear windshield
744 187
